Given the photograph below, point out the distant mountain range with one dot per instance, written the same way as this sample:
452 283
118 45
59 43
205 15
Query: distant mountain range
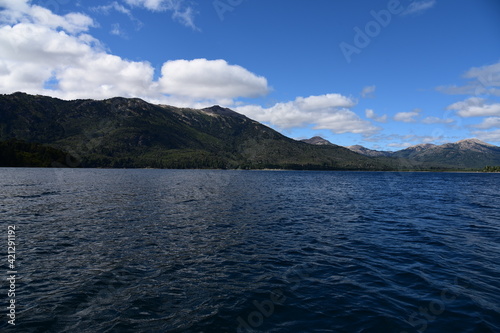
131 133
464 154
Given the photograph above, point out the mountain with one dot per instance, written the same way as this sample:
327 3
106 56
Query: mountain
129 132
317 140
369 152
464 154
413 151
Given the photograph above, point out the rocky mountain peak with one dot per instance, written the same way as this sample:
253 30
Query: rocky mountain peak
219 110
473 142
368 152
422 146
317 140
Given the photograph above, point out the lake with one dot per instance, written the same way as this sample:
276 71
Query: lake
251 251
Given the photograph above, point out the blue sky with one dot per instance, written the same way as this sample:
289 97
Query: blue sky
384 74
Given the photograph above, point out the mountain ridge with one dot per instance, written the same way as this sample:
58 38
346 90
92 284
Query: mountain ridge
130 132
472 144
469 153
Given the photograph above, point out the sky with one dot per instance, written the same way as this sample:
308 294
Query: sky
385 74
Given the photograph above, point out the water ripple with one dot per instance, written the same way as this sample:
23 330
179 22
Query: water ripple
234 251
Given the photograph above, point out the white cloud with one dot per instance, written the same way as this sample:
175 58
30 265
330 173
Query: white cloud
368 91
155 5
474 88
111 75
399 145
489 75
475 107
105 9
323 112
407 117
456 90
324 102
115 6
72 22
14 5
488 136
186 17
491 122
405 141
370 114
20 11
346 121
418 7
436 120
44 53
207 79
181 12
483 80
116 30
184 13
33 54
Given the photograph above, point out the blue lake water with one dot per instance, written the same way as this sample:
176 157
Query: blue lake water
251 251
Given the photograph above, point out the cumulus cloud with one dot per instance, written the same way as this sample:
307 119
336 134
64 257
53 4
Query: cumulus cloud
368 92
370 114
49 54
20 11
14 5
475 107
418 7
206 79
33 55
407 117
329 111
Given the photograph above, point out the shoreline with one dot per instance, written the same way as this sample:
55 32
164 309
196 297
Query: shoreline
264 169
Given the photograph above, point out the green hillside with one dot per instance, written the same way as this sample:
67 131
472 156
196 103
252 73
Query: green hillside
15 153
131 133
